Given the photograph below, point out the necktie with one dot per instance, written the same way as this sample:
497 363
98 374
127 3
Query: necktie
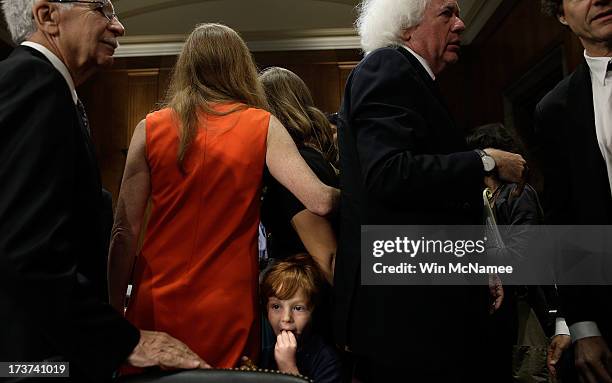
83 115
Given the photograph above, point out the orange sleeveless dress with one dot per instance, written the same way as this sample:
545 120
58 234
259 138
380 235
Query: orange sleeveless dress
196 277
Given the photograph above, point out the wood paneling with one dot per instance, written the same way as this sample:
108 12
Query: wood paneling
324 72
515 40
143 95
508 68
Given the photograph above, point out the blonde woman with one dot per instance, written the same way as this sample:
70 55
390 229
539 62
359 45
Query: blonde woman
292 227
200 162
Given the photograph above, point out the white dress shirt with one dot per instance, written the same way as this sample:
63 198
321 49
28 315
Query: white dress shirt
58 64
422 61
601 81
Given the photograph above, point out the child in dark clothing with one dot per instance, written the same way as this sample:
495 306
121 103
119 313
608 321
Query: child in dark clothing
290 291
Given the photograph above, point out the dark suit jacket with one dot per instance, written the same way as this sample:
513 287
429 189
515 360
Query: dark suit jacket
576 187
403 162
51 220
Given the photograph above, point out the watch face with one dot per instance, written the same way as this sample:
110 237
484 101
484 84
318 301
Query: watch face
489 163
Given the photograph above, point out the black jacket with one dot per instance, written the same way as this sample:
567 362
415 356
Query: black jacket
51 214
576 187
403 161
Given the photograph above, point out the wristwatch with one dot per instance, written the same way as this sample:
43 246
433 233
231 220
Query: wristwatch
488 162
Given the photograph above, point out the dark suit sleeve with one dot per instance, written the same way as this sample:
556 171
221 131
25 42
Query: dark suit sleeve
38 258
551 154
577 303
391 134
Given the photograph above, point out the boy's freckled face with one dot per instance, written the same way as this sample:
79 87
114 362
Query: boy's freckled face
290 314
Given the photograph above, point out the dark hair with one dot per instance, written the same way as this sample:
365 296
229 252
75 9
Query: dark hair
552 8
494 136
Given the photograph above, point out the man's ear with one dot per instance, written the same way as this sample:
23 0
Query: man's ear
561 18
46 17
407 34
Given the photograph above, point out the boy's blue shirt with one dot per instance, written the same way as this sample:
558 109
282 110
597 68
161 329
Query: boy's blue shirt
314 359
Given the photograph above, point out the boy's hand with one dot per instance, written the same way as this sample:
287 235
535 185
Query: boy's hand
284 352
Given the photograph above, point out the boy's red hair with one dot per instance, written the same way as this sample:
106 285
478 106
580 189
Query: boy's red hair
285 278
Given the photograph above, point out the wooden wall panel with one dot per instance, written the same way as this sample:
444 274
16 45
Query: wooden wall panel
143 95
164 80
107 109
497 77
324 72
514 41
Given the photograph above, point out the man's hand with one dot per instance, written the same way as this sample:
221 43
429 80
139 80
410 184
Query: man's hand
593 360
284 352
496 293
510 167
558 345
160 349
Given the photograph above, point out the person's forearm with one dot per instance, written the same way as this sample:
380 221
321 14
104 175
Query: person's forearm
319 239
325 262
120 262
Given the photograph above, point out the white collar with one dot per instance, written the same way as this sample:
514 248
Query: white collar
598 67
58 64
422 61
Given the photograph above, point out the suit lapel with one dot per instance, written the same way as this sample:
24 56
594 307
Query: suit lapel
589 161
25 50
423 76
448 129
84 133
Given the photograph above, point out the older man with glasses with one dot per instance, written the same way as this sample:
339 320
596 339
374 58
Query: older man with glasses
51 203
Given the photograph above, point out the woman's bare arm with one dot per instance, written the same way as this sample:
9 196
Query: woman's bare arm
319 239
129 216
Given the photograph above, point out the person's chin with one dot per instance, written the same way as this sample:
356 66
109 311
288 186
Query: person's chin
106 61
605 31
451 57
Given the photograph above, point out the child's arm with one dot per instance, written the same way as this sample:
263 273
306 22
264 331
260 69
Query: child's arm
284 352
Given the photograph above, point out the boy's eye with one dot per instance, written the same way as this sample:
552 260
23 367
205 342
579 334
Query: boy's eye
299 308
275 306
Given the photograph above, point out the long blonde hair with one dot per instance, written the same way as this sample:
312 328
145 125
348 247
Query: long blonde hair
214 66
291 102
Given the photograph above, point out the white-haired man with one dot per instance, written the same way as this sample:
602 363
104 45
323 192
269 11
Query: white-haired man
51 200
404 162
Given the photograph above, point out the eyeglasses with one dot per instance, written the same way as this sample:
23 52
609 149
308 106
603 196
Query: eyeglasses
104 7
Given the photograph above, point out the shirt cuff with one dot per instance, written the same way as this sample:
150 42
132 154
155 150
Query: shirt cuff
585 329
561 327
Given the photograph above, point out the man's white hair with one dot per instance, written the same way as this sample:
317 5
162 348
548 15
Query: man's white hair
381 22
19 19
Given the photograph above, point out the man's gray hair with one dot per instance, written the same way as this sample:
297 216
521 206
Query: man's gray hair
19 19
381 22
